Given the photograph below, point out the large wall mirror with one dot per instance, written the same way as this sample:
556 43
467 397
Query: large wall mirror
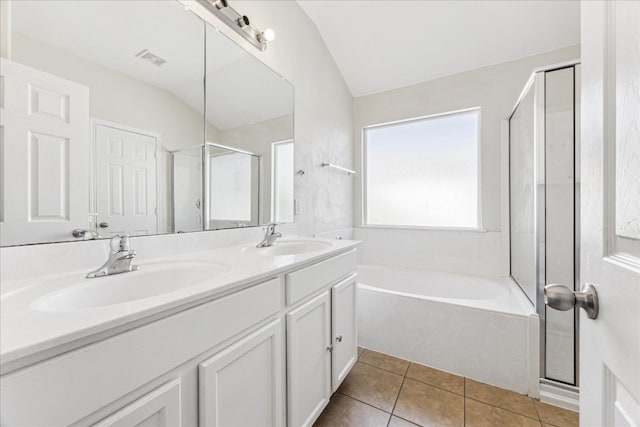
113 122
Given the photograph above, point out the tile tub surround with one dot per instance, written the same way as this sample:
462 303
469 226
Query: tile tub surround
429 397
455 316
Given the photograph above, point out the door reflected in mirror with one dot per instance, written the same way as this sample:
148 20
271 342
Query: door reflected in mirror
103 124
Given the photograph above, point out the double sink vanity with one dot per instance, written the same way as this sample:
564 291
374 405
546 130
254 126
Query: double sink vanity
236 335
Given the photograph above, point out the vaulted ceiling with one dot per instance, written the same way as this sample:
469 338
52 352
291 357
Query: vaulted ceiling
380 45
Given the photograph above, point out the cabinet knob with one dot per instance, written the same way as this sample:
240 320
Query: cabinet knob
330 348
339 338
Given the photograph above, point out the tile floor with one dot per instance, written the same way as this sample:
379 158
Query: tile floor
382 390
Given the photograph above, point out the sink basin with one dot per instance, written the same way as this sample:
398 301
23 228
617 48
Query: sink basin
152 280
293 247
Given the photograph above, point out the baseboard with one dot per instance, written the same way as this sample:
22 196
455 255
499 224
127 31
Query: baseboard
566 397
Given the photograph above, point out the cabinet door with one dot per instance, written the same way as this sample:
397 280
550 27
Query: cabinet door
160 408
344 329
309 360
242 385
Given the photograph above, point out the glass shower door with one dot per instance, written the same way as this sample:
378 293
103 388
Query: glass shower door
560 224
543 173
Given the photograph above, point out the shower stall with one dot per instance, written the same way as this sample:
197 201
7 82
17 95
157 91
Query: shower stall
544 210
215 187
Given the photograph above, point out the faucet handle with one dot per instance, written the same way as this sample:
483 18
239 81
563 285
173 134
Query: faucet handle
271 228
119 243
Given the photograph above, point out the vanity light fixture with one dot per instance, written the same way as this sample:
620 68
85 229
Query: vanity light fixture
239 23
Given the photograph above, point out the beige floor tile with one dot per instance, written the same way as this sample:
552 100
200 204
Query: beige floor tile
479 414
343 411
429 406
384 361
399 422
556 416
372 385
502 398
436 378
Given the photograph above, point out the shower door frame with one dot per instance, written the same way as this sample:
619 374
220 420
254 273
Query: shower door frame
536 83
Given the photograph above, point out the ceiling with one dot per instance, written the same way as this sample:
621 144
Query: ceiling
380 45
241 89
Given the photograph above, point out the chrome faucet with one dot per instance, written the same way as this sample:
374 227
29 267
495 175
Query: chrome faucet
120 259
270 236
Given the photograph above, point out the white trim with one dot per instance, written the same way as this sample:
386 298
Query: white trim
230 148
479 194
565 64
505 225
557 65
562 397
420 118
523 93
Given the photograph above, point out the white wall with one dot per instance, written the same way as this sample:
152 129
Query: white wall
495 89
323 109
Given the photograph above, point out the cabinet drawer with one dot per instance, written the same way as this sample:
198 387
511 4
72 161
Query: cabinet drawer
306 281
65 386
160 407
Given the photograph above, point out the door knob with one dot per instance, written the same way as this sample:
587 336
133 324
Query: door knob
562 298
103 224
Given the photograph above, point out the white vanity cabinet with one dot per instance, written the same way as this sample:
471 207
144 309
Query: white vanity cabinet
217 363
345 330
321 334
95 382
243 384
309 359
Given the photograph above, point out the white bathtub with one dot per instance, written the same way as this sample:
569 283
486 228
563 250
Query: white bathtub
480 328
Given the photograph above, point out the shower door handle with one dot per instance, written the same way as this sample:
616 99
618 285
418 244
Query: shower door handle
562 298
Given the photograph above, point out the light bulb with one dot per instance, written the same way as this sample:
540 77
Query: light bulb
267 35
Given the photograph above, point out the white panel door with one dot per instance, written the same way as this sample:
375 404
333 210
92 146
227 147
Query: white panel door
44 146
308 360
126 193
242 385
344 330
610 229
160 408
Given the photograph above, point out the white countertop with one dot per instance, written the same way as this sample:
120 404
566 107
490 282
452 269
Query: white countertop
26 331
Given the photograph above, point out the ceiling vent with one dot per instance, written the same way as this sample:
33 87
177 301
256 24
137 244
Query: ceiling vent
151 57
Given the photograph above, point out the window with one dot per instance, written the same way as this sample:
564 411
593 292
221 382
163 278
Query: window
423 172
282 187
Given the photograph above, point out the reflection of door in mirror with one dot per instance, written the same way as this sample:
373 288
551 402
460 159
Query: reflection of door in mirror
126 187
187 189
45 124
282 181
